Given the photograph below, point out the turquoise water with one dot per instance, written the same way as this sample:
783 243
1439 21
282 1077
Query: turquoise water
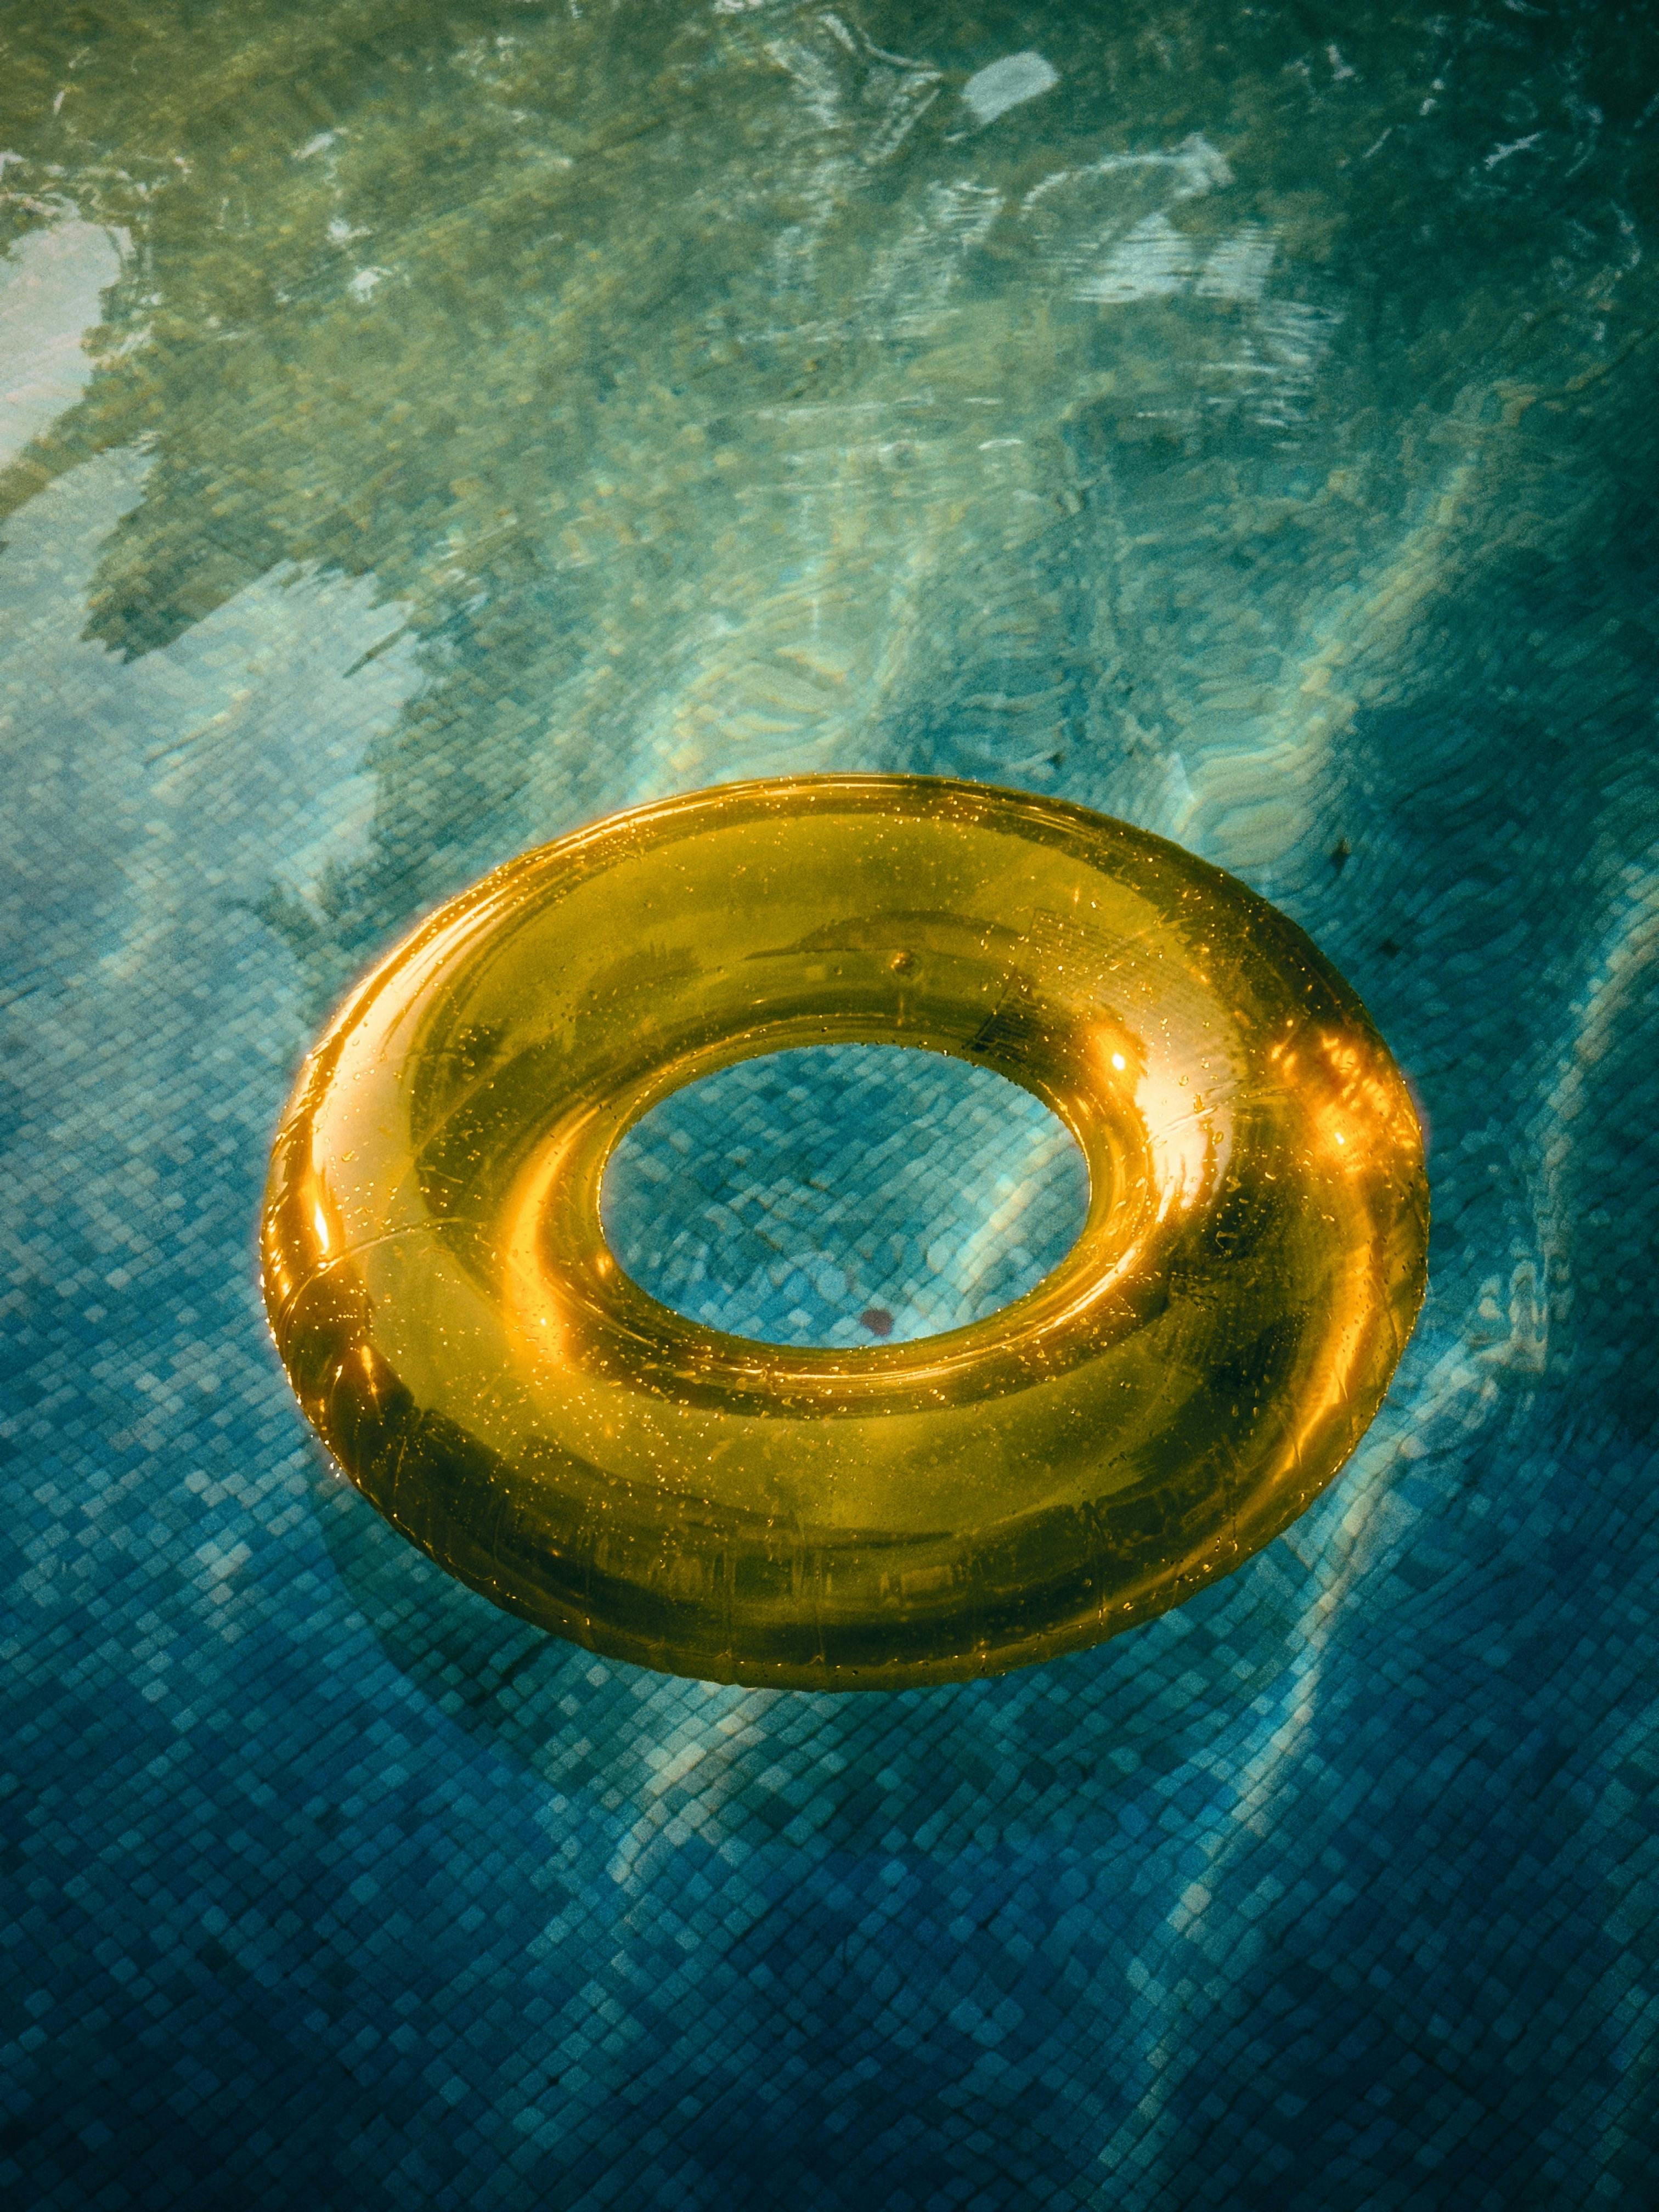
843 1195
424 427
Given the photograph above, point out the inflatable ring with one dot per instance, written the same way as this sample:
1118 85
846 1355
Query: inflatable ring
1159 1407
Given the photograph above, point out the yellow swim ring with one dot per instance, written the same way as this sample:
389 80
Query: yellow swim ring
1177 1390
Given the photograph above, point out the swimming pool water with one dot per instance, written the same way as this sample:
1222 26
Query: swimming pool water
844 1195
424 427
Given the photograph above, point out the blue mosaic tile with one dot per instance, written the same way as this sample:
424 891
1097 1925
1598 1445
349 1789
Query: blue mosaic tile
747 1202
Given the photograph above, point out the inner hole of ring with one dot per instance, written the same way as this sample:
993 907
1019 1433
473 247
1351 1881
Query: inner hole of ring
840 1195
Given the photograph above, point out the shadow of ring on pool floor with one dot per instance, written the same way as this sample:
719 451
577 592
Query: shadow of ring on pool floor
1058 1749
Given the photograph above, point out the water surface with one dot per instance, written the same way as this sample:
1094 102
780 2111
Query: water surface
425 427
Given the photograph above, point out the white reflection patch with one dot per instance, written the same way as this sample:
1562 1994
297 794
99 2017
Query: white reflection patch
51 287
1008 83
